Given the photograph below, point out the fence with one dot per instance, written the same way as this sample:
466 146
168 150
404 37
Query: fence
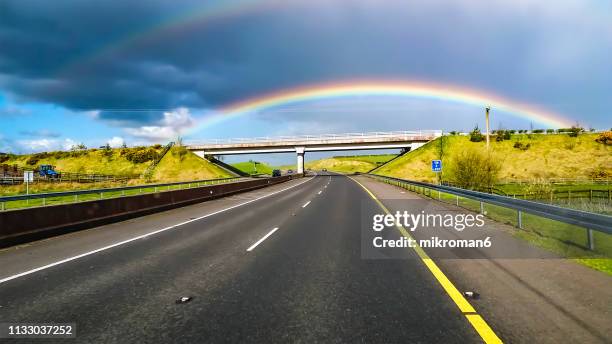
590 221
53 198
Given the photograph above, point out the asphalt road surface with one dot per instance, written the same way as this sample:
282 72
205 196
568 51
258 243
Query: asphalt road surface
282 264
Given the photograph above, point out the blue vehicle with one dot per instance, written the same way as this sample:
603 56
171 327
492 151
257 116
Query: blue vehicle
47 171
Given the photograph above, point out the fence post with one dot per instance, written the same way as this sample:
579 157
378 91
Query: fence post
457 199
481 207
590 239
76 198
44 202
2 205
519 219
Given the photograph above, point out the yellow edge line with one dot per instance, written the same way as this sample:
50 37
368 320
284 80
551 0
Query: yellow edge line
479 324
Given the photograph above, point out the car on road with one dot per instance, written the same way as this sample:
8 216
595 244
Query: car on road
289 171
276 173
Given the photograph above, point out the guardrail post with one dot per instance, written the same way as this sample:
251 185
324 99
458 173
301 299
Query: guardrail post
76 198
481 207
457 200
2 206
519 219
101 195
44 202
590 239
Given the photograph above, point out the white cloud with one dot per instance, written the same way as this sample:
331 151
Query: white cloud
171 126
116 142
43 145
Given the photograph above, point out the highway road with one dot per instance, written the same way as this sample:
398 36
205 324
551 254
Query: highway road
281 264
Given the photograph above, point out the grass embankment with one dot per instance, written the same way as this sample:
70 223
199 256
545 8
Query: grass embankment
548 156
250 168
98 161
350 164
180 165
177 165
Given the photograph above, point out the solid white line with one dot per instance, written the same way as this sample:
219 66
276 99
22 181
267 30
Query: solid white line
306 204
262 239
318 193
144 235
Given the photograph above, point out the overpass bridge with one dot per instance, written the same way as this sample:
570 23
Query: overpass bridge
314 143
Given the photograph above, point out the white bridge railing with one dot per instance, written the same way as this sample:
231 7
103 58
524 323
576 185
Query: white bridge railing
305 139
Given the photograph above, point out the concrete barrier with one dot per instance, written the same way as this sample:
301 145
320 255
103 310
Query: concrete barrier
24 225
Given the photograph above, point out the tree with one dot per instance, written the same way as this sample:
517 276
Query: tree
476 135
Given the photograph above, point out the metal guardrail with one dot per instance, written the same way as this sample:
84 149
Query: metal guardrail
101 192
590 221
327 137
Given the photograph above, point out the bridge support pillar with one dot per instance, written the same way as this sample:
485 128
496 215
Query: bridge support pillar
300 159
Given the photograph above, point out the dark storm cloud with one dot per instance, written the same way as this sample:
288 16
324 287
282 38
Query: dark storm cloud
50 51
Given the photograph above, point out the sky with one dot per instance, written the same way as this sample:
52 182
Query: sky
147 71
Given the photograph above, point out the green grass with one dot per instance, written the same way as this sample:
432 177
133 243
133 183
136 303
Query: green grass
175 167
248 167
96 196
350 164
563 239
91 161
549 156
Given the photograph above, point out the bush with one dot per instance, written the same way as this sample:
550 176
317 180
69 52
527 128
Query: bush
605 138
575 131
32 160
453 132
600 172
521 146
537 131
550 131
4 158
156 146
474 169
139 155
476 135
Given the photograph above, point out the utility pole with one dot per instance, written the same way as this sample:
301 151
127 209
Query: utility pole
487 124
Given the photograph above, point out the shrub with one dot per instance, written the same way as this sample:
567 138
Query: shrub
600 172
550 131
476 135
512 131
605 138
537 131
453 132
138 155
156 146
521 146
4 158
575 131
474 169
32 160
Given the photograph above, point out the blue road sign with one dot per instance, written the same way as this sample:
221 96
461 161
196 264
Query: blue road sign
436 165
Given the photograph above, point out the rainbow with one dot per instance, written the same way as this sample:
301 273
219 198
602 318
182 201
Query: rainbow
423 90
